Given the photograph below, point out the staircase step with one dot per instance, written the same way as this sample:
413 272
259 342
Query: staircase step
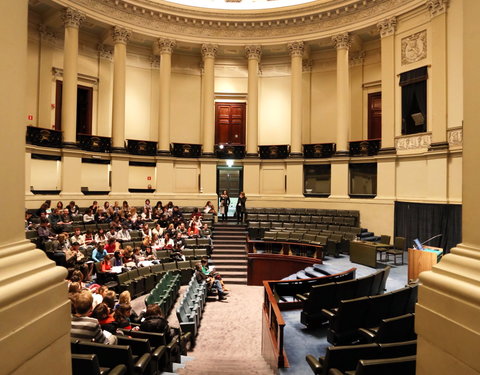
228 251
242 281
231 268
221 263
231 256
232 274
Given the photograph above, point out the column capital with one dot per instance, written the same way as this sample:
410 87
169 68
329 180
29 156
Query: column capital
105 52
166 45
72 18
342 40
209 50
437 7
253 52
387 26
296 49
120 35
155 61
46 35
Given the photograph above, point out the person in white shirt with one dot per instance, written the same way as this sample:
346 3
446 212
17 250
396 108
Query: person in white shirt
166 242
158 230
88 217
146 231
124 234
112 233
78 237
100 237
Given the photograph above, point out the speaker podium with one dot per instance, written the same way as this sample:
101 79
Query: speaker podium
422 260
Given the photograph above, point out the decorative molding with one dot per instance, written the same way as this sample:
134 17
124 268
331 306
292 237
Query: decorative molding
413 142
307 65
281 24
437 7
253 52
414 47
47 36
120 35
387 26
455 137
105 52
357 59
342 40
155 61
58 73
209 50
296 49
166 45
72 18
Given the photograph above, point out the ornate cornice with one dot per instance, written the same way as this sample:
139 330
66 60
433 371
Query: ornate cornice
166 45
310 21
72 18
455 137
296 49
342 40
209 50
47 36
120 35
253 52
437 7
105 52
387 26
413 142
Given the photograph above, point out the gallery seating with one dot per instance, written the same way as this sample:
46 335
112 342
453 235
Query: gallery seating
87 364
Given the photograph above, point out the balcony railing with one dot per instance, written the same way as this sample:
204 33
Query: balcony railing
274 152
94 143
368 147
318 150
230 151
136 147
44 137
186 150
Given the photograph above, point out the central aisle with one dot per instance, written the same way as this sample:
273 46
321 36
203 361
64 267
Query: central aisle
229 339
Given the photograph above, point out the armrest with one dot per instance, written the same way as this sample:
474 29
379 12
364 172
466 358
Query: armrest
301 297
159 352
367 335
328 313
142 363
314 364
118 370
334 371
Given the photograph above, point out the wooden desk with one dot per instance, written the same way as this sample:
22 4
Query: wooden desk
421 260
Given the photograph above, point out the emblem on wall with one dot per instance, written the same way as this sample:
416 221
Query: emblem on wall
414 47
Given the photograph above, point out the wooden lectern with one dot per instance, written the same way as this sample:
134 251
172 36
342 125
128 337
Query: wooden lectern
421 260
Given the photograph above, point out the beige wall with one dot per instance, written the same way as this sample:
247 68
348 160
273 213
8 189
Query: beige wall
138 177
45 174
324 106
137 103
95 176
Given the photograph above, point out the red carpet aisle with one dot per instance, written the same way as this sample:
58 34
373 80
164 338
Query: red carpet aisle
229 338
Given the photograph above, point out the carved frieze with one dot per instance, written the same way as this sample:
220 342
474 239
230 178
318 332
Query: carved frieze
413 142
414 47
342 40
120 35
455 137
387 26
72 17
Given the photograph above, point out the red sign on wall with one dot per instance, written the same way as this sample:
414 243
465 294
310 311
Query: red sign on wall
30 117
149 178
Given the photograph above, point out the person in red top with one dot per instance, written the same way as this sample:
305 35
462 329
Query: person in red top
110 246
102 313
106 264
193 230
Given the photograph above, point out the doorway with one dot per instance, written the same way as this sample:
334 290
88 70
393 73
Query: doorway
231 180
230 123
375 115
84 108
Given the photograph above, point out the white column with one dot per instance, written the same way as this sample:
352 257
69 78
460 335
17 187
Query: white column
45 113
166 48
307 65
208 52
35 310
72 20
342 43
120 39
296 53
387 32
438 72
253 54
105 88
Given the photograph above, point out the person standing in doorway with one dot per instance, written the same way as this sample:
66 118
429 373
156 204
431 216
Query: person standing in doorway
224 203
241 209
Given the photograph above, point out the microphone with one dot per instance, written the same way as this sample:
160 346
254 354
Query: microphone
432 238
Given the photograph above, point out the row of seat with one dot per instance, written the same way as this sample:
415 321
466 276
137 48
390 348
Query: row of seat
329 296
191 307
367 312
340 360
165 292
142 280
306 219
304 211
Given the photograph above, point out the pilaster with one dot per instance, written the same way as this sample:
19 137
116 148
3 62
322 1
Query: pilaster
208 53
296 50
105 88
166 47
253 54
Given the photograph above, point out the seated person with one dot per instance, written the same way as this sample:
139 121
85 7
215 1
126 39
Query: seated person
126 298
78 237
149 254
101 216
209 208
76 259
89 217
105 318
193 231
117 260
205 232
83 326
210 271
166 242
128 257
146 231
100 237
72 208
44 233
99 253
98 293
211 282
106 264
154 321
124 234
112 245
180 242
112 233
122 316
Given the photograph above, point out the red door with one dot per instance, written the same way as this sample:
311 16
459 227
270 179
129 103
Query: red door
230 123
375 115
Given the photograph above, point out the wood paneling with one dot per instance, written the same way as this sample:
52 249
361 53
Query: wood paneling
230 123
375 115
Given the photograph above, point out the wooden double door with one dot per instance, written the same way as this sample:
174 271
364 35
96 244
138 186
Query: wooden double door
230 123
